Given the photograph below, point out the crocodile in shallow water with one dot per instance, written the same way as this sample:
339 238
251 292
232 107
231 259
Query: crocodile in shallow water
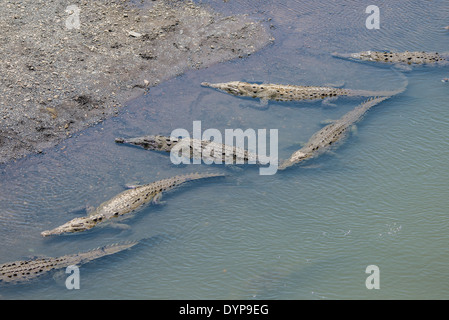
280 92
27 270
126 202
400 58
199 149
327 137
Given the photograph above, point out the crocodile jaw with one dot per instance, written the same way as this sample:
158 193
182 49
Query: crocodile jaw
364 55
228 87
146 142
296 157
75 225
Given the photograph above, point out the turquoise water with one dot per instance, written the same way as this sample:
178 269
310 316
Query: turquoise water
306 233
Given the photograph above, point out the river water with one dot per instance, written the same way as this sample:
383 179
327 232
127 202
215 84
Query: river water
309 232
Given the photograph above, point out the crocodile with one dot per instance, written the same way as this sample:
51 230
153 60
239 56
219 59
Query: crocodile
399 58
199 149
328 136
28 270
281 92
126 202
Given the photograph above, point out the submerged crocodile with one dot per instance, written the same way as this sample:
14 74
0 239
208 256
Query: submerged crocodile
327 137
199 149
126 202
28 270
280 92
404 58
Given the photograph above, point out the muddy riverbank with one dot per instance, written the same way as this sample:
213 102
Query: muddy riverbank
66 66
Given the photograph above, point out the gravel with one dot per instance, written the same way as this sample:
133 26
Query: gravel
59 77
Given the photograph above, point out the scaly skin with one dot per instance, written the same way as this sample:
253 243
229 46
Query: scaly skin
199 149
28 270
327 137
125 202
407 57
280 92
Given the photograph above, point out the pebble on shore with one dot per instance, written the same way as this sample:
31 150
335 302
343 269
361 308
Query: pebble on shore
53 75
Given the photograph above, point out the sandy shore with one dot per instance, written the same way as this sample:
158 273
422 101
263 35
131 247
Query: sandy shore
59 77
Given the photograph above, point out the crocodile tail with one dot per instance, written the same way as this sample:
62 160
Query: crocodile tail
358 113
106 250
397 91
199 175
375 100
208 175
170 183
371 102
404 83
117 247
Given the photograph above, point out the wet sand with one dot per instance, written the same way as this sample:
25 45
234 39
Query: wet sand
59 77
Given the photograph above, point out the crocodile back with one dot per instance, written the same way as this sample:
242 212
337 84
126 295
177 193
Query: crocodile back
27 270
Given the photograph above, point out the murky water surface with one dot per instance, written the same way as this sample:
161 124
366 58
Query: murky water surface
305 233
